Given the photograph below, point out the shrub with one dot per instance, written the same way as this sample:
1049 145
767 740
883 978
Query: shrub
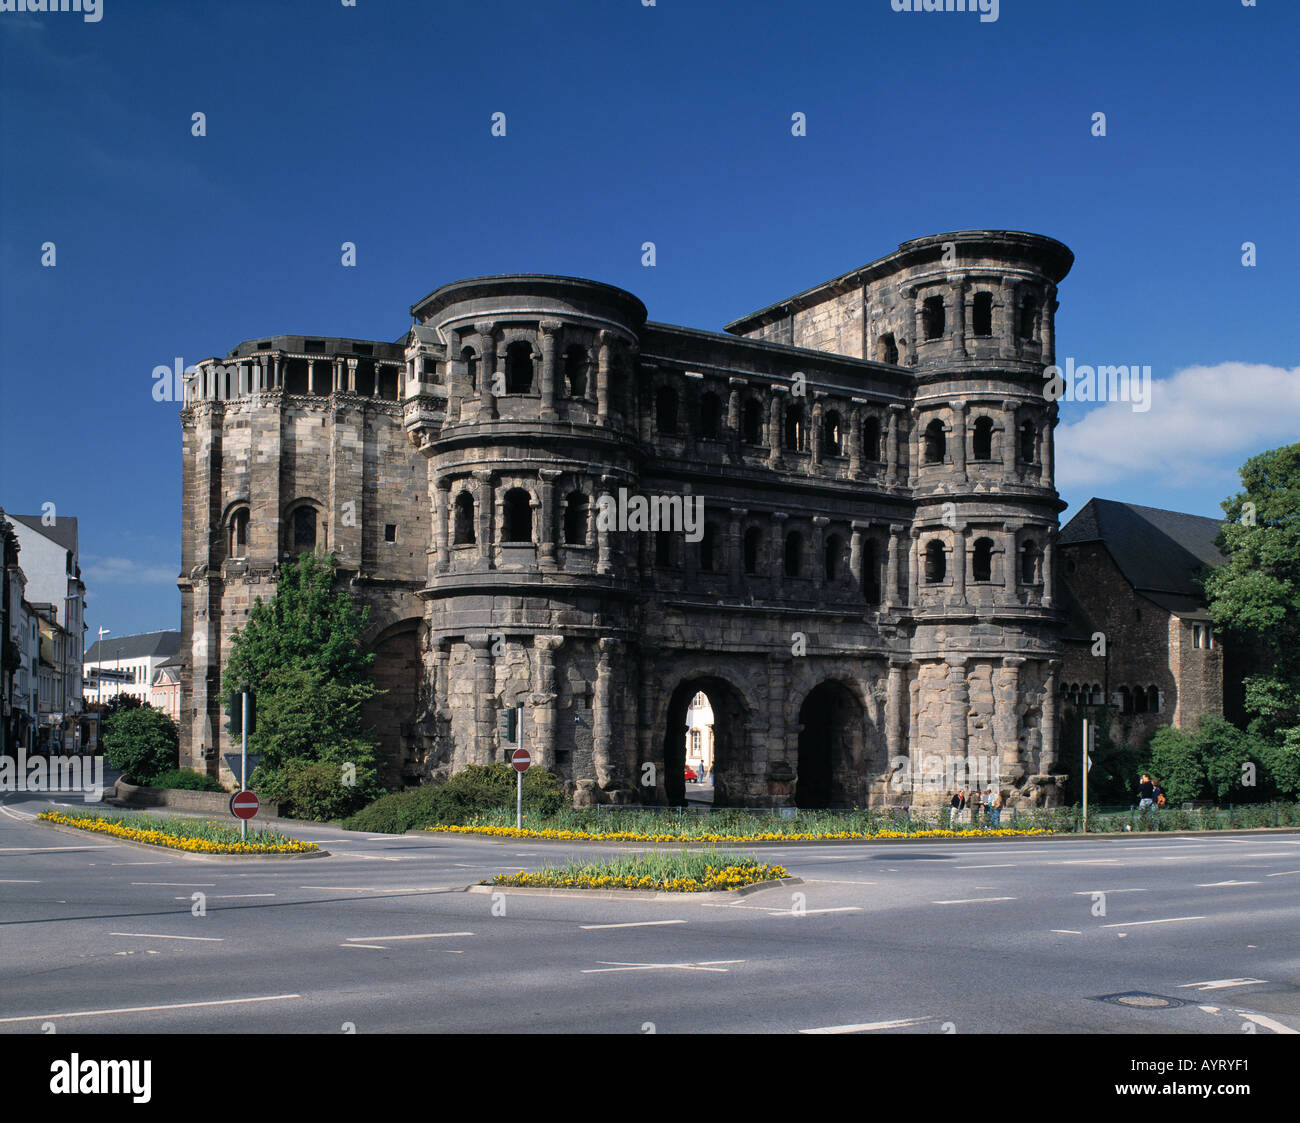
141 743
186 779
311 790
1177 765
480 789
398 812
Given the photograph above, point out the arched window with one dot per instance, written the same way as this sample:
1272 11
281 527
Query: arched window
1029 564
575 370
983 438
871 439
982 560
517 516
1153 700
463 534
793 554
796 431
1028 314
834 550
575 519
666 410
470 359
710 416
1125 700
752 422
237 540
936 444
982 314
870 571
1028 439
752 538
303 529
708 548
519 367
887 349
932 317
936 563
1139 701
832 434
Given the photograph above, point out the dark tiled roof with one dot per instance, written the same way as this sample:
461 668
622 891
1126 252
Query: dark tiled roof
134 647
1157 551
64 530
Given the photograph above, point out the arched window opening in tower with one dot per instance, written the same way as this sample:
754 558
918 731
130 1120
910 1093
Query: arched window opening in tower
932 317
1125 700
870 571
665 550
519 367
982 314
982 441
887 349
936 444
517 516
796 435
1028 314
1029 564
708 547
464 529
936 562
666 410
1028 441
793 554
982 560
831 436
304 529
1153 699
834 548
752 422
1139 701
470 359
871 439
575 371
753 536
575 519
238 546
710 416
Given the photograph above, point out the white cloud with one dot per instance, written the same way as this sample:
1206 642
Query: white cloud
124 571
1204 422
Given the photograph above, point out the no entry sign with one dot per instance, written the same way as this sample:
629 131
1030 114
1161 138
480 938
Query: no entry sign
522 759
243 805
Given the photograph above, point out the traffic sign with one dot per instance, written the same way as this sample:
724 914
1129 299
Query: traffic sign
522 759
244 805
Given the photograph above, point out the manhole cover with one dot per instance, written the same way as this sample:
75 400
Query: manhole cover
1141 1000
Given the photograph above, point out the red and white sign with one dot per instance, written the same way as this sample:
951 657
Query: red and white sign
244 805
522 759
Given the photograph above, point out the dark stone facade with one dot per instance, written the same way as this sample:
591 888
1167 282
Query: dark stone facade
868 595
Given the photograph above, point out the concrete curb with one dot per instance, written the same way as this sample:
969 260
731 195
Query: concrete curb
636 894
78 832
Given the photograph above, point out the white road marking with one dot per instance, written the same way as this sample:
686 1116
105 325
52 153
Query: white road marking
712 965
1090 892
15 848
809 912
1066 932
1268 1023
15 881
866 1027
180 884
1089 862
1221 984
1004 866
374 889
1210 1009
972 900
1169 920
417 936
156 936
1285 873
148 1009
833 881
632 924
376 947
1221 884
228 896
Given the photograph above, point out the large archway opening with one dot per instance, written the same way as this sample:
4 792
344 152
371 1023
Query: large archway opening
706 726
831 723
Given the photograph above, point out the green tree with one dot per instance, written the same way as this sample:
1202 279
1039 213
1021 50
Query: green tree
1223 750
1254 600
141 742
301 655
1176 764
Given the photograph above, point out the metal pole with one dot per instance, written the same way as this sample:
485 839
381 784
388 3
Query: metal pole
519 800
1085 775
243 761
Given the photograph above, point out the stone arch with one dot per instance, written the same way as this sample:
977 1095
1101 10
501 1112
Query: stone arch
519 367
463 533
831 746
731 738
398 670
303 529
752 422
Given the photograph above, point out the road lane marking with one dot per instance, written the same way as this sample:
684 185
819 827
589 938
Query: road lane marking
1090 892
156 936
809 912
867 1027
711 965
1003 866
972 900
1221 884
1066 932
1168 920
834 881
180 884
375 947
15 848
15 881
149 1009
375 889
632 924
1221 984
1285 873
1090 862
1268 1023
227 896
417 936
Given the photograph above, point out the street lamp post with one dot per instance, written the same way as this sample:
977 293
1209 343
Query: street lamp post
102 633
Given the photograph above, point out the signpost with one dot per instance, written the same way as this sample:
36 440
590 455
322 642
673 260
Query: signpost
1087 764
522 760
242 718
243 806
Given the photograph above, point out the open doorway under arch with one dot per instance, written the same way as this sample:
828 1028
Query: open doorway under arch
830 741
724 738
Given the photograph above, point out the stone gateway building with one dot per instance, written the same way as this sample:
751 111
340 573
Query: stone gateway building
865 599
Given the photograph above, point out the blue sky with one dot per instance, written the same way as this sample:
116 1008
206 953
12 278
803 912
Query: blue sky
624 124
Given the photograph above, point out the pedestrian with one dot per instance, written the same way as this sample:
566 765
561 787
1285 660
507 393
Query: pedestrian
995 808
1146 794
1158 793
976 806
958 806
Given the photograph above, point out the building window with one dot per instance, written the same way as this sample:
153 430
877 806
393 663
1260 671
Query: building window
1201 637
517 516
1125 700
932 317
519 367
796 433
1029 564
935 442
831 436
1028 314
239 533
390 532
834 549
887 349
982 442
871 439
1028 441
1153 700
936 562
303 524
575 519
982 314
464 530
576 362
752 538
710 416
982 560
752 422
793 554
470 359
666 410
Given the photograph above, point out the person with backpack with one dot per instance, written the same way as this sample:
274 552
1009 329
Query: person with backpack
1146 794
1158 793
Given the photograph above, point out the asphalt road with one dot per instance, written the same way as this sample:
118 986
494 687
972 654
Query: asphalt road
1004 936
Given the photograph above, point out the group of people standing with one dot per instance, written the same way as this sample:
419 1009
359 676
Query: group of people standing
988 802
1150 795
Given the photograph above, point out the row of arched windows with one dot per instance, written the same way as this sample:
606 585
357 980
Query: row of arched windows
575 369
981 561
300 530
517 518
936 440
934 320
1130 700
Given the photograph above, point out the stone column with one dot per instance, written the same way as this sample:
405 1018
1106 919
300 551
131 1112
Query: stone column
959 319
546 517
959 438
778 530
1006 327
736 550
548 329
914 449
855 556
1050 306
278 372
855 442
1006 721
439 678
1047 453
602 721
480 750
1049 567
913 569
895 704
1047 754
603 544
311 376
733 419
1009 568
352 376
817 434
604 354
544 701
774 431
820 523
891 450
442 515
958 566
487 350
891 566
778 747
1010 453
958 705
484 508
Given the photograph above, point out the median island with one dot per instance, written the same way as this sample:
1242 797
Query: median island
195 836
690 871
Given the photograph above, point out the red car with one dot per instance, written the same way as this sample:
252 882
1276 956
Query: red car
690 773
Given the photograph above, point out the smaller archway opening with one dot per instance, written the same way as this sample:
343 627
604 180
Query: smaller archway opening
1125 701
834 548
1029 564
1028 316
936 562
575 519
982 441
1153 700
871 439
576 362
517 516
936 443
981 314
666 411
519 367
463 533
302 529
932 317
753 537
832 439
796 434
793 554
470 359
237 546
1028 442
751 422
982 560
710 416
887 349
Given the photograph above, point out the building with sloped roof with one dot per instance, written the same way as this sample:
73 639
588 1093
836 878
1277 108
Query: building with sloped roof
128 664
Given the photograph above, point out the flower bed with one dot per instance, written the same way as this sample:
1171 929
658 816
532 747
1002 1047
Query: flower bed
689 835
194 836
685 872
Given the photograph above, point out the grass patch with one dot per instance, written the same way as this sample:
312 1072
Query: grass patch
197 836
685 871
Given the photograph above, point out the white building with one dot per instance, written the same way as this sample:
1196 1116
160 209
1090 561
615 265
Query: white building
132 664
699 734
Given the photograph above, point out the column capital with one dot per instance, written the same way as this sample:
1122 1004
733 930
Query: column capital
897 528
780 516
821 521
550 475
957 406
609 645
483 475
550 327
548 643
737 381
956 662
1013 662
485 327
738 512
479 640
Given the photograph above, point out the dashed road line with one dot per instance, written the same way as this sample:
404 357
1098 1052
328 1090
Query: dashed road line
972 900
150 1009
1167 920
1221 984
416 936
632 924
158 936
867 1027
